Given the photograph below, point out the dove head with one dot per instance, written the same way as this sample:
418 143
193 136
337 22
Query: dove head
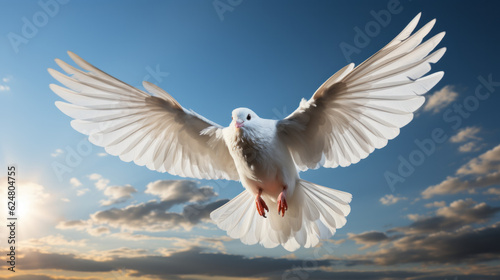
244 118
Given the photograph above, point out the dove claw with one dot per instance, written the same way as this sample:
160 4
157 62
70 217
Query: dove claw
261 204
282 204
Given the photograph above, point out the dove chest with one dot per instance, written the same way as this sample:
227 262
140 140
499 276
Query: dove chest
254 158
264 164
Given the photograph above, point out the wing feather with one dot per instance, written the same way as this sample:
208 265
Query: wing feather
150 129
358 109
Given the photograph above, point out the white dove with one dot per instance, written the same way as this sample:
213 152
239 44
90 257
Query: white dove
355 111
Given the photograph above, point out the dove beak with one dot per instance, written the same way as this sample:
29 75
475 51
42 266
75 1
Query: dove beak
238 124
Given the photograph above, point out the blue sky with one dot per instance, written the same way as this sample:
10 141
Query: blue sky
265 56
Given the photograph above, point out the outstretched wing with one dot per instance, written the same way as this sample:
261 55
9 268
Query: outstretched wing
155 131
360 108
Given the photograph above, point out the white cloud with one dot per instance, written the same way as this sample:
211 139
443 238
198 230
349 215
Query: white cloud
448 236
4 88
467 211
485 163
469 147
101 182
436 204
55 240
216 242
414 217
102 256
156 216
440 99
81 192
74 224
460 213
98 231
369 238
454 185
465 134
94 176
84 225
484 168
184 190
57 153
65 199
390 199
75 182
493 192
102 154
6 79
117 194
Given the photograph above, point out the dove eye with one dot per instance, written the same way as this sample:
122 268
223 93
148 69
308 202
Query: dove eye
249 117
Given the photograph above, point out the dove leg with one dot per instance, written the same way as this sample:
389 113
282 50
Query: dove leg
261 204
282 205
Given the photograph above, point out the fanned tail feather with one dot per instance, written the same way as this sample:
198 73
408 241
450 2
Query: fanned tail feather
314 213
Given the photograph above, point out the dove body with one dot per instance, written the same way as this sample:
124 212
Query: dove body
263 162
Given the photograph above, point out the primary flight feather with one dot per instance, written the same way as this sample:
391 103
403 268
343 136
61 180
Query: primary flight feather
355 111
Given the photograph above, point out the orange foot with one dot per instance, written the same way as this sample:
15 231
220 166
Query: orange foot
261 204
282 205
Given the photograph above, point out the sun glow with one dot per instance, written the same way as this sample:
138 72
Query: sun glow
31 200
30 197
